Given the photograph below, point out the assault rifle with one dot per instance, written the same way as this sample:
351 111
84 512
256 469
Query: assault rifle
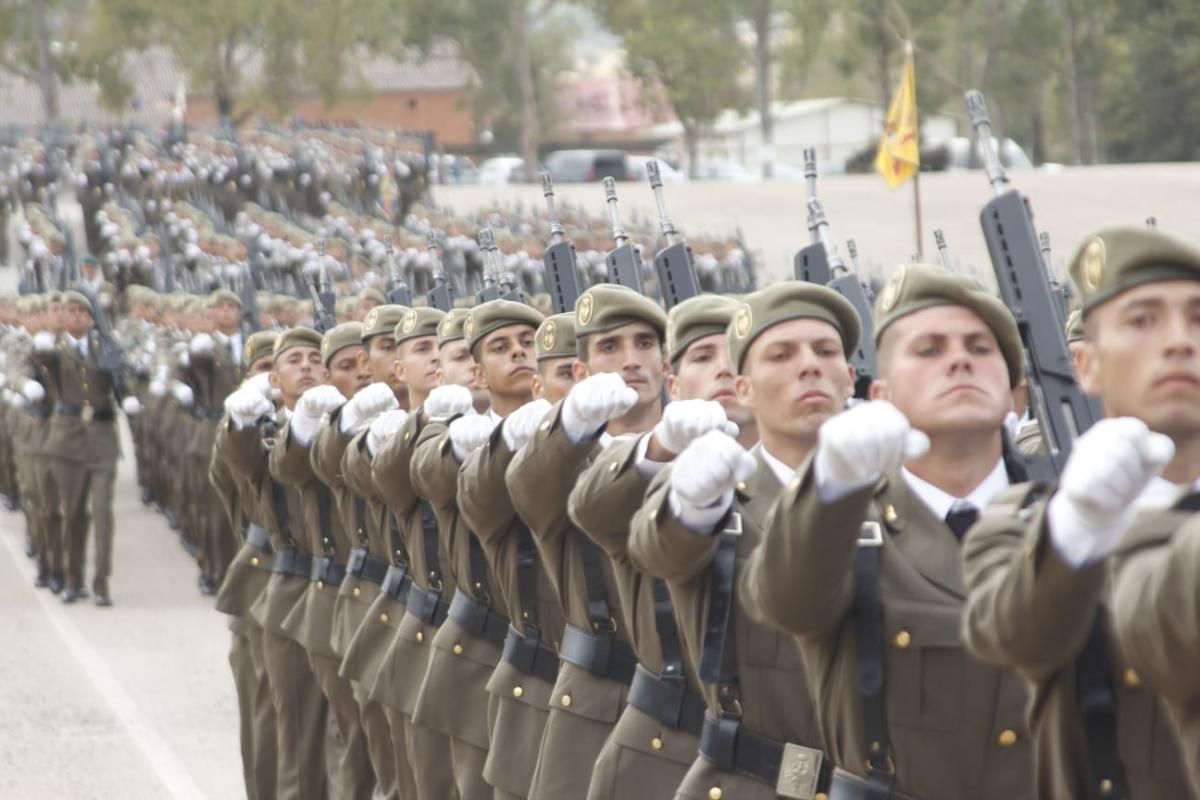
321 290
441 296
398 292
562 276
623 261
677 280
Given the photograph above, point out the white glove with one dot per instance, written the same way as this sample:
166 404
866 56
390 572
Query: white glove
684 421
447 401
1110 465
593 403
184 359
366 405
856 446
520 425
202 344
260 383
157 388
469 432
704 475
384 427
16 399
3 380
246 406
43 341
130 406
183 393
33 391
314 404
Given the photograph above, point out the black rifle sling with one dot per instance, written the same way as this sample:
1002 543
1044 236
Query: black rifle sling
867 615
429 538
599 610
360 521
668 633
325 518
527 566
718 656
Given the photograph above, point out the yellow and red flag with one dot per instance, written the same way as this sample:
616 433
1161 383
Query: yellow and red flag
899 156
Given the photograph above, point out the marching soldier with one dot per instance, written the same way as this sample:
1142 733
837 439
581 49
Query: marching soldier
467 646
861 557
620 346
1105 692
83 440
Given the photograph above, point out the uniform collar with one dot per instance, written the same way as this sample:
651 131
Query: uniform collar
940 503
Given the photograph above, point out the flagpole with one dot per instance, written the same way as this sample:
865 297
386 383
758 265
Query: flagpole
916 182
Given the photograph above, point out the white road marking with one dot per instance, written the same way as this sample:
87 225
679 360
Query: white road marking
162 759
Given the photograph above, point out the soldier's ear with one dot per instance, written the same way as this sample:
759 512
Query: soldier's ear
1087 365
579 370
537 387
479 375
673 386
744 390
880 389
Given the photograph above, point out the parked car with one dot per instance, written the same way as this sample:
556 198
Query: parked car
585 166
502 170
724 169
636 170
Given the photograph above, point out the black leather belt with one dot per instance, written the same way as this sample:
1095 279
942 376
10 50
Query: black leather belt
845 786
669 702
478 619
397 583
427 605
256 536
327 570
794 770
87 413
367 566
200 412
530 656
292 562
39 411
602 654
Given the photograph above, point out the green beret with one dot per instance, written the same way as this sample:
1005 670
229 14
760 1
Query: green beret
451 326
223 296
55 297
607 306
74 298
496 314
339 337
696 318
372 294
1074 327
919 286
382 319
782 302
257 346
95 262
417 322
298 336
556 337
1116 259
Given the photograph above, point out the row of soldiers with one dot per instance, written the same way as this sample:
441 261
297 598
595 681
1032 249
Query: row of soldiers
480 549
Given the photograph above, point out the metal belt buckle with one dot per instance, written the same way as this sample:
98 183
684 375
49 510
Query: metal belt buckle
734 527
86 413
870 535
799 770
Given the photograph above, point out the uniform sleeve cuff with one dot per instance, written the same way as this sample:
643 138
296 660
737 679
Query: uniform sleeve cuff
1078 543
646 469
702 521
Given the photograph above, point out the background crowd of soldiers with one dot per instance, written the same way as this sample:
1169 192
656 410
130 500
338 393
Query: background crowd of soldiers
523 514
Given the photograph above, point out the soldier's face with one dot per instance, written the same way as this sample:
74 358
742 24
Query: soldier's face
705 373
944 370
457 365
227 316
794 377
505 363
297 370
348 372
635 353
260 366
54 317
554 378
79 320
416 364
1143 357
379 357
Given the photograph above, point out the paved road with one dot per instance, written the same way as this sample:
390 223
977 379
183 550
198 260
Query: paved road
133 702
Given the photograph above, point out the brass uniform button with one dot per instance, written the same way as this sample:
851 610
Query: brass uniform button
320 585
612 467
1106 787
656 743
458 649
420 636
903 640
254 561
383 617
518 691
889 514
566 701
715 793
1007 738
741 487
1131 678
545 426
820 796
356 591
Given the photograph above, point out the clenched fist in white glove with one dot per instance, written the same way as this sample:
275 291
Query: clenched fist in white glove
43 341
246 406
369 403
384 427
260 383
593 403
469 432
15 399
157 388
1110 465
855 447
183 394
448 401
704 475
131 406
520 425
34 392
201 345
684 421
314 404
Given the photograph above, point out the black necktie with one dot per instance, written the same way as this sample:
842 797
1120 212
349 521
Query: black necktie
961 519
